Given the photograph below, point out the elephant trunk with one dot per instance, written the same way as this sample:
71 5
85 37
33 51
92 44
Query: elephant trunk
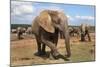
67 42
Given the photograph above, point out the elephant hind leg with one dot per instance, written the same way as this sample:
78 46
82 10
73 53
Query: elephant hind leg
19 35
88 35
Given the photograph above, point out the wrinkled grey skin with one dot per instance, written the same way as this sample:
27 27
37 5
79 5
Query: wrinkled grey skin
85 32
50 39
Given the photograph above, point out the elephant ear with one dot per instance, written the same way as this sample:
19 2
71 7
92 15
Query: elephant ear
45 22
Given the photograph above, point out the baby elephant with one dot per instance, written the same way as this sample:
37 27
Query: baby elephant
46 27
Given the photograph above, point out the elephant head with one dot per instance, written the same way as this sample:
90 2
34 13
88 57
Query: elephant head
50 20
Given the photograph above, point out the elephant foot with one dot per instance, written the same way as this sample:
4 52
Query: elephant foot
43 53
60 56
89 40
38 53
67 55
82 40
52 57
55 56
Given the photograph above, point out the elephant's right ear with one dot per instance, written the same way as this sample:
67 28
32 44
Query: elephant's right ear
45 22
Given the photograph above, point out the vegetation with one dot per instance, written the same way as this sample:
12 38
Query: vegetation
14 26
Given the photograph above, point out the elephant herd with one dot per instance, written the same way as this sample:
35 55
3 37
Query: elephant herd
83 31
48 25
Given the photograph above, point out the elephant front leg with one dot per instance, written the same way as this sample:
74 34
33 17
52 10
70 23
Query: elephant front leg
52 46
43 49
88 35
39 51
82 37
19 35
89 38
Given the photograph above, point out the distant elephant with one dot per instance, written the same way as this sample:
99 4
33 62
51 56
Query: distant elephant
74 31
24 30
29 30
46 27
13 30
19 32
85 31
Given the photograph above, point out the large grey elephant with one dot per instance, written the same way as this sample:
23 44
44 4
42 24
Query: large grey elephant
46 27
85 32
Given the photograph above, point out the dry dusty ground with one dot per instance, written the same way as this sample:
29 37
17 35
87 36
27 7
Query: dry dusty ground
23 51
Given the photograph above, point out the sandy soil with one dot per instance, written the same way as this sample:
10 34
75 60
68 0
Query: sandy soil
23 51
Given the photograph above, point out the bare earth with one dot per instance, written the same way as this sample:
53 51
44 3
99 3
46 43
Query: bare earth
23 51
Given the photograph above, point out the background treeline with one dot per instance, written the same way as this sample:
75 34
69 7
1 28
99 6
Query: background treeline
14 26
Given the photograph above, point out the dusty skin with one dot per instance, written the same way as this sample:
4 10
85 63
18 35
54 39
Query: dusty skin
23 51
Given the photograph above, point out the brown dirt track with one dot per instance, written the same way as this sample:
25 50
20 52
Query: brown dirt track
23 51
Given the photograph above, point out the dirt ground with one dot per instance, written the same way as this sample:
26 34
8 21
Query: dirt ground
23 51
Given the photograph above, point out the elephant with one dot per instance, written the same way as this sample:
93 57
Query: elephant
85 31
29 30
13 31
24 30
74 31
19 32
46 27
